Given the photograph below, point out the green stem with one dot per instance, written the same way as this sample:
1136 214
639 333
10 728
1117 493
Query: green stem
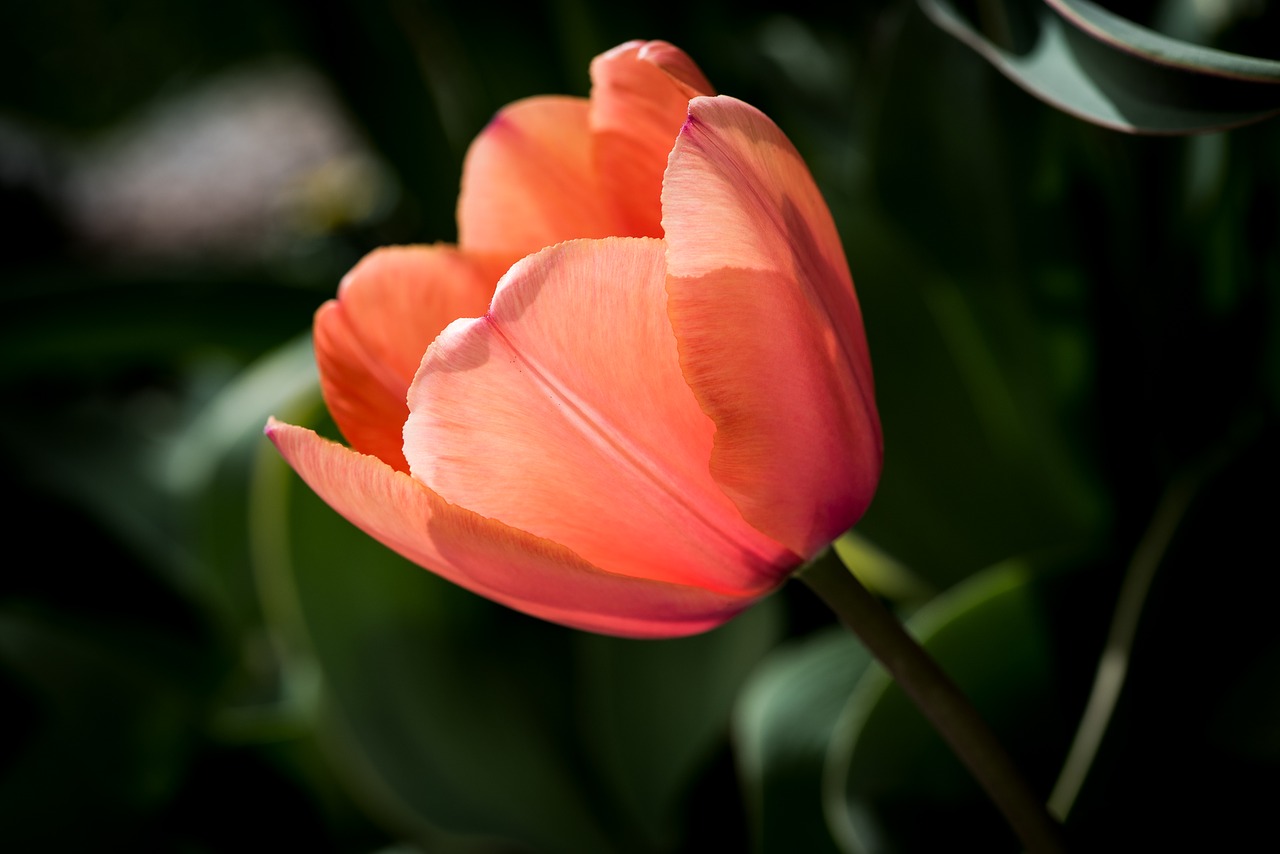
1113 666
939 699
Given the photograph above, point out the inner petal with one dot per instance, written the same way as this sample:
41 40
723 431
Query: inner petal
640 95
563 412
529 181
370 340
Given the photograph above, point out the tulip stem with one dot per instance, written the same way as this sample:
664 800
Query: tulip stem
938 697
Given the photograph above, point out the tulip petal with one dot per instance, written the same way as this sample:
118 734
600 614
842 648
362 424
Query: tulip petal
529 181
370 340
639 100
563 412
509 566
769 329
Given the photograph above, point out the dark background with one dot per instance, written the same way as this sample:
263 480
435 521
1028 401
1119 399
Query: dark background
1075 340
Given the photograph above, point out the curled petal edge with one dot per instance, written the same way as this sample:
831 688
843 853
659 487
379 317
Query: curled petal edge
370 339
640 95
683 72
510 566
769 328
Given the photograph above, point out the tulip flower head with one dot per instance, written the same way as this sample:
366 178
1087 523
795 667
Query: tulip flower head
658 401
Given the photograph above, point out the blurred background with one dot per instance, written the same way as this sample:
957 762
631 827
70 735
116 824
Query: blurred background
1078 369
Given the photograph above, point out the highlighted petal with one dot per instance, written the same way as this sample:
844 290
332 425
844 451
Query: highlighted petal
563 412
370 340
639 100
770 331
529 181
506 565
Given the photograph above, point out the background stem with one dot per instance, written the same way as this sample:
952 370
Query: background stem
941 701
1113 666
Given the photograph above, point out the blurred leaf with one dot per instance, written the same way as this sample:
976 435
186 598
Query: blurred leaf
103 717
90 324
1104 69
879 572
783 722
458 716
273 383
654 711
977 314
138 461
457 707
1156 47
888 769
1194 732
93 457
978 447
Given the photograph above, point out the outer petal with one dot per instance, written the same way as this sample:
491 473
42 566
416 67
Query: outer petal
770 332
509 566
563 412
639 100
370 340
528 181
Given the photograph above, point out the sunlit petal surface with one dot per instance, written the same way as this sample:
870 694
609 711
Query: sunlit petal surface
370 340
769 329
563 412
509 566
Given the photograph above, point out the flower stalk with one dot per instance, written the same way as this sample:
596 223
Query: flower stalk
939 699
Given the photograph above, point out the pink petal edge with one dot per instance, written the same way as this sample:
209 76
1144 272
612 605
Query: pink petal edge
770 332
370 340
530 574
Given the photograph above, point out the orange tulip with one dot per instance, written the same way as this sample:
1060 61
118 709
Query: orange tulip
662 408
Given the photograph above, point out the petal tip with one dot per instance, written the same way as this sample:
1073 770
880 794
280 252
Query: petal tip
676 64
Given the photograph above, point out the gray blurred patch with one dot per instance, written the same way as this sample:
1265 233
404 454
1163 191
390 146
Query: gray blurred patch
239 167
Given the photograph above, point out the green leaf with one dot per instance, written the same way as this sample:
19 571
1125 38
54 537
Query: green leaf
77 324
1156 47
451 713
279 381
892 784
880 572
456 716
1107 70
654 712
782 725
982 453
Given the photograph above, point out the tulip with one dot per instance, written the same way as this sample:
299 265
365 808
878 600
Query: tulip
661 404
